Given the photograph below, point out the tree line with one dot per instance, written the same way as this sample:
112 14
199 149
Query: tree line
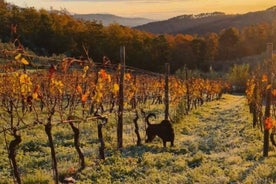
57 32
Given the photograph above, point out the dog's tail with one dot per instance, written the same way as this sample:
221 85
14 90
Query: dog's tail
148 116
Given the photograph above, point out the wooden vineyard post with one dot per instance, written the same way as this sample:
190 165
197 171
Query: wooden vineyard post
188 90
268 97
133 100
121 99
167 66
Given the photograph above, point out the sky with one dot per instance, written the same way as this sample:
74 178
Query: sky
153 9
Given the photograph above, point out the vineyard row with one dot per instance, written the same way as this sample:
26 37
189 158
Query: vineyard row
72 91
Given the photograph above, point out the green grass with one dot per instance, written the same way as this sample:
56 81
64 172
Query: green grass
215 143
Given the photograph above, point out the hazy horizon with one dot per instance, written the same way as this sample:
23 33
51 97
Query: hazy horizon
153 9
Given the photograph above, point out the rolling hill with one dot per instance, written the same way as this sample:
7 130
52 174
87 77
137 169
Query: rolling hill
107 19
208 22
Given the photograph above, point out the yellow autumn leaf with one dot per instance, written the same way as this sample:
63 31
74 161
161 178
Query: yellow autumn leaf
99 86
35 96
98 97
274 122
18 56
24 61
85 69
108 78
268 86
116 87
25 79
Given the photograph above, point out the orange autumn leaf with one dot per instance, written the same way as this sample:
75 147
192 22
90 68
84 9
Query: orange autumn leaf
268 123
36 89
84 97
35 96
52 70
79 89
103 74
127 76
264 78
273 92
71 170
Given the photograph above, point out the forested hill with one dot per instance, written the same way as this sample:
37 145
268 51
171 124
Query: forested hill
55 33
209 22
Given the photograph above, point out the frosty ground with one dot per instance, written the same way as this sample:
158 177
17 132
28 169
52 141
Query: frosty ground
215 143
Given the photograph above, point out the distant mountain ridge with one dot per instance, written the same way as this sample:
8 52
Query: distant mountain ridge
107 19
208 22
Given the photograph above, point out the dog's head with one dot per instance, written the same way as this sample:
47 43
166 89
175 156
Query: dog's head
150 134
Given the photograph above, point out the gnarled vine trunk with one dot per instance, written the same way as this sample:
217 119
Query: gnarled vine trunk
77 145
12 155
135 121
48 130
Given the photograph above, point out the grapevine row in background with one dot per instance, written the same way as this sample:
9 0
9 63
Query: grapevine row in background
261 95
95 91
256 93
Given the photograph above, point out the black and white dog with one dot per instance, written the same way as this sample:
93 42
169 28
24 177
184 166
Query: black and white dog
164 130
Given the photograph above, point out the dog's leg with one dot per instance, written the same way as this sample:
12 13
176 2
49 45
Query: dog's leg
172 144
172 139
164 143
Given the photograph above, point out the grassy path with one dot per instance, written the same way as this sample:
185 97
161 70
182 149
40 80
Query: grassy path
222 145
220 126
215 144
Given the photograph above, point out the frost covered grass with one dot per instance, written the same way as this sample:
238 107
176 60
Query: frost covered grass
214 144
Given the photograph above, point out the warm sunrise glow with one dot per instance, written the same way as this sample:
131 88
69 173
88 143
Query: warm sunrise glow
154 9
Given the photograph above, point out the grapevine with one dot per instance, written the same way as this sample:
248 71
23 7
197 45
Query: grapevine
68 93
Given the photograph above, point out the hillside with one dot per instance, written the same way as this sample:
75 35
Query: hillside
107 19
208 22
214 144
